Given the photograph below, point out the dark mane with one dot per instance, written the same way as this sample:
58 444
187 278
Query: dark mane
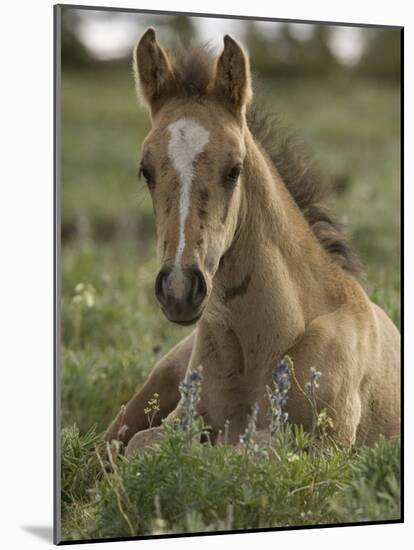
305 183
194 71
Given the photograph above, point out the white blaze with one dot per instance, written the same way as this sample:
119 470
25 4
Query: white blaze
187 139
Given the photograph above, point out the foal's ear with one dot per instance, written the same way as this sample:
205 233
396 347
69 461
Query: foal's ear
154 77
233 81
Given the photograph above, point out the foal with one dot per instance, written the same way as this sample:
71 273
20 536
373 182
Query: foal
260 270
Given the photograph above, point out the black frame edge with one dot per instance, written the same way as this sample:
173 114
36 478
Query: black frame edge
56 274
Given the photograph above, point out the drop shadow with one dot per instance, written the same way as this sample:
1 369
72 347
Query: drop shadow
43 532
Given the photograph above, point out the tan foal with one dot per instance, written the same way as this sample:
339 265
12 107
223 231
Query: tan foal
249 257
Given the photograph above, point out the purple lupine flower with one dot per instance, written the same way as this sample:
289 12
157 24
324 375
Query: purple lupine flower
190 391
278 395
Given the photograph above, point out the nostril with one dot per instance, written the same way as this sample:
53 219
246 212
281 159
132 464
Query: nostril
185 289
164 286
199 287
195 288
161 286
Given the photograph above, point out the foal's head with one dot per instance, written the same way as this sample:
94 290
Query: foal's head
192 160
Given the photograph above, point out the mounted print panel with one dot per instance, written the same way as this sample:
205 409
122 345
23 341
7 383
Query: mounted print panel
228 274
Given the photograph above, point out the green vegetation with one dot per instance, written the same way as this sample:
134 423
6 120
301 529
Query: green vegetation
113 331
185 486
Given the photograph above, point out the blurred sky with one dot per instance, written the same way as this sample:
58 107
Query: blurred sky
110 35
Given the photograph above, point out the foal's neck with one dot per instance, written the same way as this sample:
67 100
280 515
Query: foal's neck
276 277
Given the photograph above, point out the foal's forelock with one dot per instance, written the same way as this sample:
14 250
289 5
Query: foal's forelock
187 140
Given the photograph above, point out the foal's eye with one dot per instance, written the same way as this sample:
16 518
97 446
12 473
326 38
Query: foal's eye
144 172
234 174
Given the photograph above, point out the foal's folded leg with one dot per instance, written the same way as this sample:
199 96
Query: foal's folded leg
143 440
163 380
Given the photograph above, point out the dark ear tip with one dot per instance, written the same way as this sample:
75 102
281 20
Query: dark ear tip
146 41
231 44
227 39
149 34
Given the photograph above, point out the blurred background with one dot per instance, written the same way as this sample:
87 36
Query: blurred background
336 87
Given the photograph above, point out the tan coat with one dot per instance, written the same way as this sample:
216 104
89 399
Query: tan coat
270 287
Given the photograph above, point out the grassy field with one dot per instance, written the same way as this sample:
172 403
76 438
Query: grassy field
113 331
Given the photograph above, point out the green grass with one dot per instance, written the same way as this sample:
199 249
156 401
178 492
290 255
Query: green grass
113 331
184 486
108 347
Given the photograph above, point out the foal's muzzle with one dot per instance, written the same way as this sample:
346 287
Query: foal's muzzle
181 293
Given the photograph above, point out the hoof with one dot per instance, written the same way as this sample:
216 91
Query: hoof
143 440
114 432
